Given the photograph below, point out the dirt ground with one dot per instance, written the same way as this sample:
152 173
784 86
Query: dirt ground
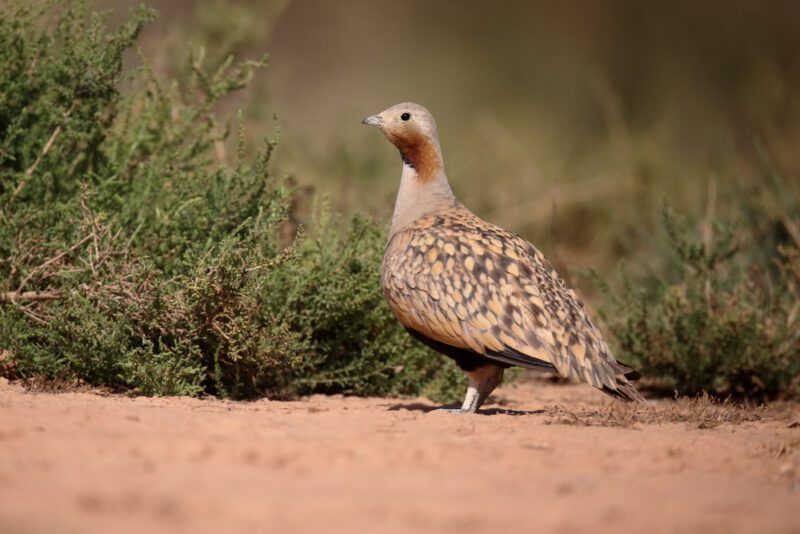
542 458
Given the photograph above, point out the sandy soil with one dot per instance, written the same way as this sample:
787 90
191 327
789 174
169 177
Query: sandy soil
543 458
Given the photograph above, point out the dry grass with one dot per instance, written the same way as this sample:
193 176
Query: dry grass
44 384
701 412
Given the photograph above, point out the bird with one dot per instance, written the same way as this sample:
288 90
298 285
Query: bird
479 294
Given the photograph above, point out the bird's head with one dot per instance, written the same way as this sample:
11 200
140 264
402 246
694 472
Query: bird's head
411 128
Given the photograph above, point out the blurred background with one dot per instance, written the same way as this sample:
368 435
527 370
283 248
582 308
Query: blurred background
567 122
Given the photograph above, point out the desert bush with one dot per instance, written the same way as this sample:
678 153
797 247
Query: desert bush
142 249
717 312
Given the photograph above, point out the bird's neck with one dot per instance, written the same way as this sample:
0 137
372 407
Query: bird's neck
420 195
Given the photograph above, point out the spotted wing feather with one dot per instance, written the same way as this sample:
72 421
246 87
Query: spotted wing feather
467 284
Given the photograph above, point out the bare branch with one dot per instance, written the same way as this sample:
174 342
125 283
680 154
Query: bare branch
792 229
27 311
47 146
30 296
53 260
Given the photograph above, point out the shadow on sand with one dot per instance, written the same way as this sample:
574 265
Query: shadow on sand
427 408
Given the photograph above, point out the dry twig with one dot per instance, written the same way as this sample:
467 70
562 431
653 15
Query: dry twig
52 261
47 146
30 296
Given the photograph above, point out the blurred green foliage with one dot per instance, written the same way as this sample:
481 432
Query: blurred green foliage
571 123
147 246
716 312
143 250
567 122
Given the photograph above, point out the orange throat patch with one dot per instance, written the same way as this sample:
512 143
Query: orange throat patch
420 154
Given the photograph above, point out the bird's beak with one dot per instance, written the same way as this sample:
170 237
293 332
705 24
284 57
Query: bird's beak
373 120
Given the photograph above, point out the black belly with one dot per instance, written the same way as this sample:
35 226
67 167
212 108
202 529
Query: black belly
467 360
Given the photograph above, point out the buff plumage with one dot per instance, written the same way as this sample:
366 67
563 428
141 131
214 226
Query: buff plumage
476 292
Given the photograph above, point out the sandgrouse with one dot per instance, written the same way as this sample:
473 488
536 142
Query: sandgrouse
479 294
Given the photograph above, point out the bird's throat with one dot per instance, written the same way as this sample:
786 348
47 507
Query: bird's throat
419 197
421 155
422 159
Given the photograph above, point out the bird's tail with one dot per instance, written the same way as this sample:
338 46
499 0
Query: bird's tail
625 390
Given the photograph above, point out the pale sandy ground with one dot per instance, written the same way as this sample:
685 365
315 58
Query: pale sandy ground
80 462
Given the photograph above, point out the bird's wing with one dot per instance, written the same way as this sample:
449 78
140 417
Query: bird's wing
435 287
468 284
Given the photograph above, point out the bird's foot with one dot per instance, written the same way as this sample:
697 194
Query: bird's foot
452 410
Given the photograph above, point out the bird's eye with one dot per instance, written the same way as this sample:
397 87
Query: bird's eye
405 116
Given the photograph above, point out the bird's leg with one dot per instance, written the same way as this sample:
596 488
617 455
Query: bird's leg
482 382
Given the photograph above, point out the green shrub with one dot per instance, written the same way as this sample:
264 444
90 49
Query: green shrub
137 255
716 314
